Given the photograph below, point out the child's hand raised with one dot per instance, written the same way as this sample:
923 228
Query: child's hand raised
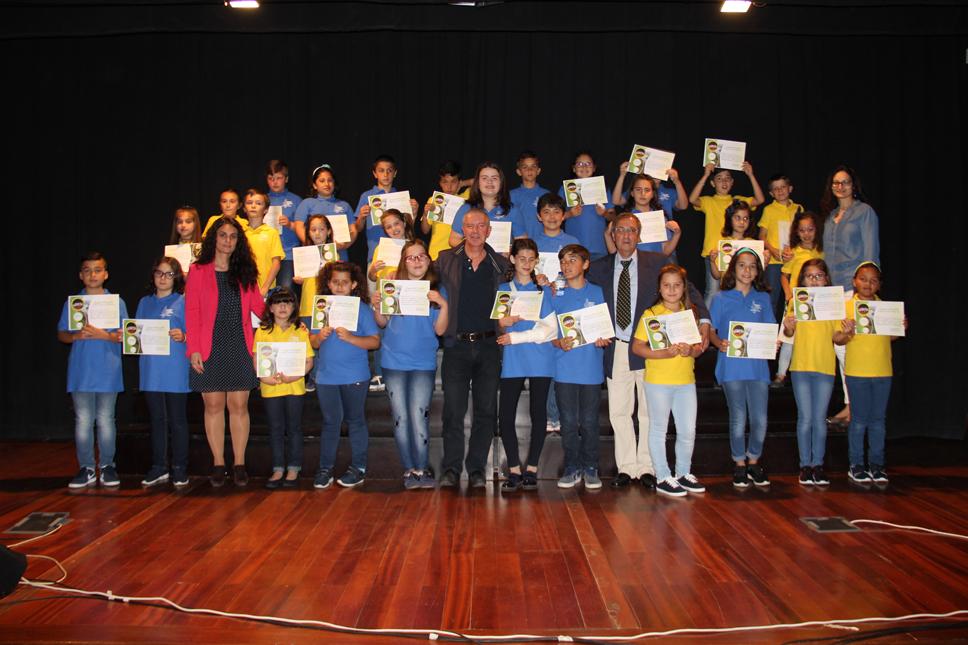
673 174
747 169
709 169
623 168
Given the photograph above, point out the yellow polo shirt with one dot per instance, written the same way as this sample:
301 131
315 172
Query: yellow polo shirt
294 334
867 356
774 213
266 245
679 370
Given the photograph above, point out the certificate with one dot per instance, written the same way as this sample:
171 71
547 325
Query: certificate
388 251
184 253
308 260
288 358
500 237
581 192
148 337
548 265
783 229
669 329
651 161
652 227
818 303
341 228
879 317
526 304
101 311
752 340
443 207
336 311
404 297
728 248
586 325
729 155
379 204
272 218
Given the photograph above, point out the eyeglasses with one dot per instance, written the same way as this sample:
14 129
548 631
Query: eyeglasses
742 218
413 259
846 182
625 230
583 164
820 275
164 274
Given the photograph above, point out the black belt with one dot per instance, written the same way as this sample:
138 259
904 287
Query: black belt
474 336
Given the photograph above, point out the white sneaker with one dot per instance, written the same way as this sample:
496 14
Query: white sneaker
376 384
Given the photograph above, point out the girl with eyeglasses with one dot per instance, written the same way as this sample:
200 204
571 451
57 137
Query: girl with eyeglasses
738 227
587 221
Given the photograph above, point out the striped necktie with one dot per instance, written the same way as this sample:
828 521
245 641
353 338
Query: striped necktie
623 306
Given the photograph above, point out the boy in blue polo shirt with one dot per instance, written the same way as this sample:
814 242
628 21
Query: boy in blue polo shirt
384 171
277 178
93 379
525 197
579 374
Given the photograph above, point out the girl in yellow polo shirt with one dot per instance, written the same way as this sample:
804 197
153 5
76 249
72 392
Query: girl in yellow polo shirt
670 387
868 372
812 368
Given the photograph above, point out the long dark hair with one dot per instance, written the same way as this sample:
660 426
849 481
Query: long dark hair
795 240
178 283
654 203
356 275
828 202
431 276
523 244
737 206
312 180
728 281
820 264
282 294
503 197
242 268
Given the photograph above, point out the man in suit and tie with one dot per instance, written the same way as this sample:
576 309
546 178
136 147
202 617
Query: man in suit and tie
629 281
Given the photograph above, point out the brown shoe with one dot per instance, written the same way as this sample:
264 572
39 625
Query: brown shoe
239 476
217 478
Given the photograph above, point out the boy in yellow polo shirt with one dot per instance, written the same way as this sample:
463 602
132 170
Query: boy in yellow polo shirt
264 240
781 209
448 182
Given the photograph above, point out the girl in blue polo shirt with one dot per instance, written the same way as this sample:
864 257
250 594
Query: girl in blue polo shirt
743 297
323 185
343 375
489 192
408 356
164 379
586 222
528 354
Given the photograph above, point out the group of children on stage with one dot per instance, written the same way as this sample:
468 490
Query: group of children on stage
337 362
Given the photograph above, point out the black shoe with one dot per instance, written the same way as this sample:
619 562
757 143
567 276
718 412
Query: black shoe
648 481
239 476
476 480
272 484
758 475
449 479
819 478
217 478
806 476
290 483
512 483
621 481
529 480
740 477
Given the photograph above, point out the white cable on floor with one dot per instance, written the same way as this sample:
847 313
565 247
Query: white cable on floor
36 537
911 528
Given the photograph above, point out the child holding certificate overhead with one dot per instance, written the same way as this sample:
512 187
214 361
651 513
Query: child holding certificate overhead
93 375
343 375
282 393
671 387
746 382
812 368
579 373
408 355
527 355
868 372
164 379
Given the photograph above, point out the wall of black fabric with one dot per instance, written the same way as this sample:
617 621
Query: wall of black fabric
106 135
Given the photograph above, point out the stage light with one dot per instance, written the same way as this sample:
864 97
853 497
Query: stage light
242 4
735 6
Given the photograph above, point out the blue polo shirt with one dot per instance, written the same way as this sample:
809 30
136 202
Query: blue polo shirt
325 206
589 227
526 201
289 202
583 365
410 342
732 305
496 214
165 373
528 359
338 362
94 365
552 244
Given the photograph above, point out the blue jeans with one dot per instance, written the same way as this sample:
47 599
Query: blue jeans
868 411
284 277
88 408
552 409
740 396
578 406
712 284
339 402
680 400
168 412
410 392
812 391
285 431
776 289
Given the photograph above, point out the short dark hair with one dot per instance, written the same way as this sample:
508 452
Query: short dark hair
92 256
527 154
575 249
449 167
277 165
386 158
553 200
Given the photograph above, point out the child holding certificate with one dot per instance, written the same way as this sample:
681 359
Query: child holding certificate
586 222
579 374
229 204
186 227
449 183
265 242
746 381
282 394
812 368
318 231
323 185
343 375
408 355
738 227
384 171
396 226
489 192
868 373
93 378
645 198
527 355
671 387
164 379
776 215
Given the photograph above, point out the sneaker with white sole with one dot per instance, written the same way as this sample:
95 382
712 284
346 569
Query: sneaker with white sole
377 384
878 474
859 474
155 476
109 477
323 479
85 477
670 487
592 480
819 477
352 477
806 476
179 478
691 484
741 478
570 478
758 475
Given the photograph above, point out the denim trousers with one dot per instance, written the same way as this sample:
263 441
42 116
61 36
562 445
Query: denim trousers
681 401
410 392
746 398
578 405
551 410
812 391
469 368
868 413
284 414
91 408
339 403
284 277
772 274
510 394
167 411
712 284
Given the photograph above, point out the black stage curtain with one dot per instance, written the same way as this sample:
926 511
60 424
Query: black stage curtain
106 134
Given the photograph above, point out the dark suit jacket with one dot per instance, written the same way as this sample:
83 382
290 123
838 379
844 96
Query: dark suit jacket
602 273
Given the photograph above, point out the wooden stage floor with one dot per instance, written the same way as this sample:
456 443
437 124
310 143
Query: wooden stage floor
583 563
